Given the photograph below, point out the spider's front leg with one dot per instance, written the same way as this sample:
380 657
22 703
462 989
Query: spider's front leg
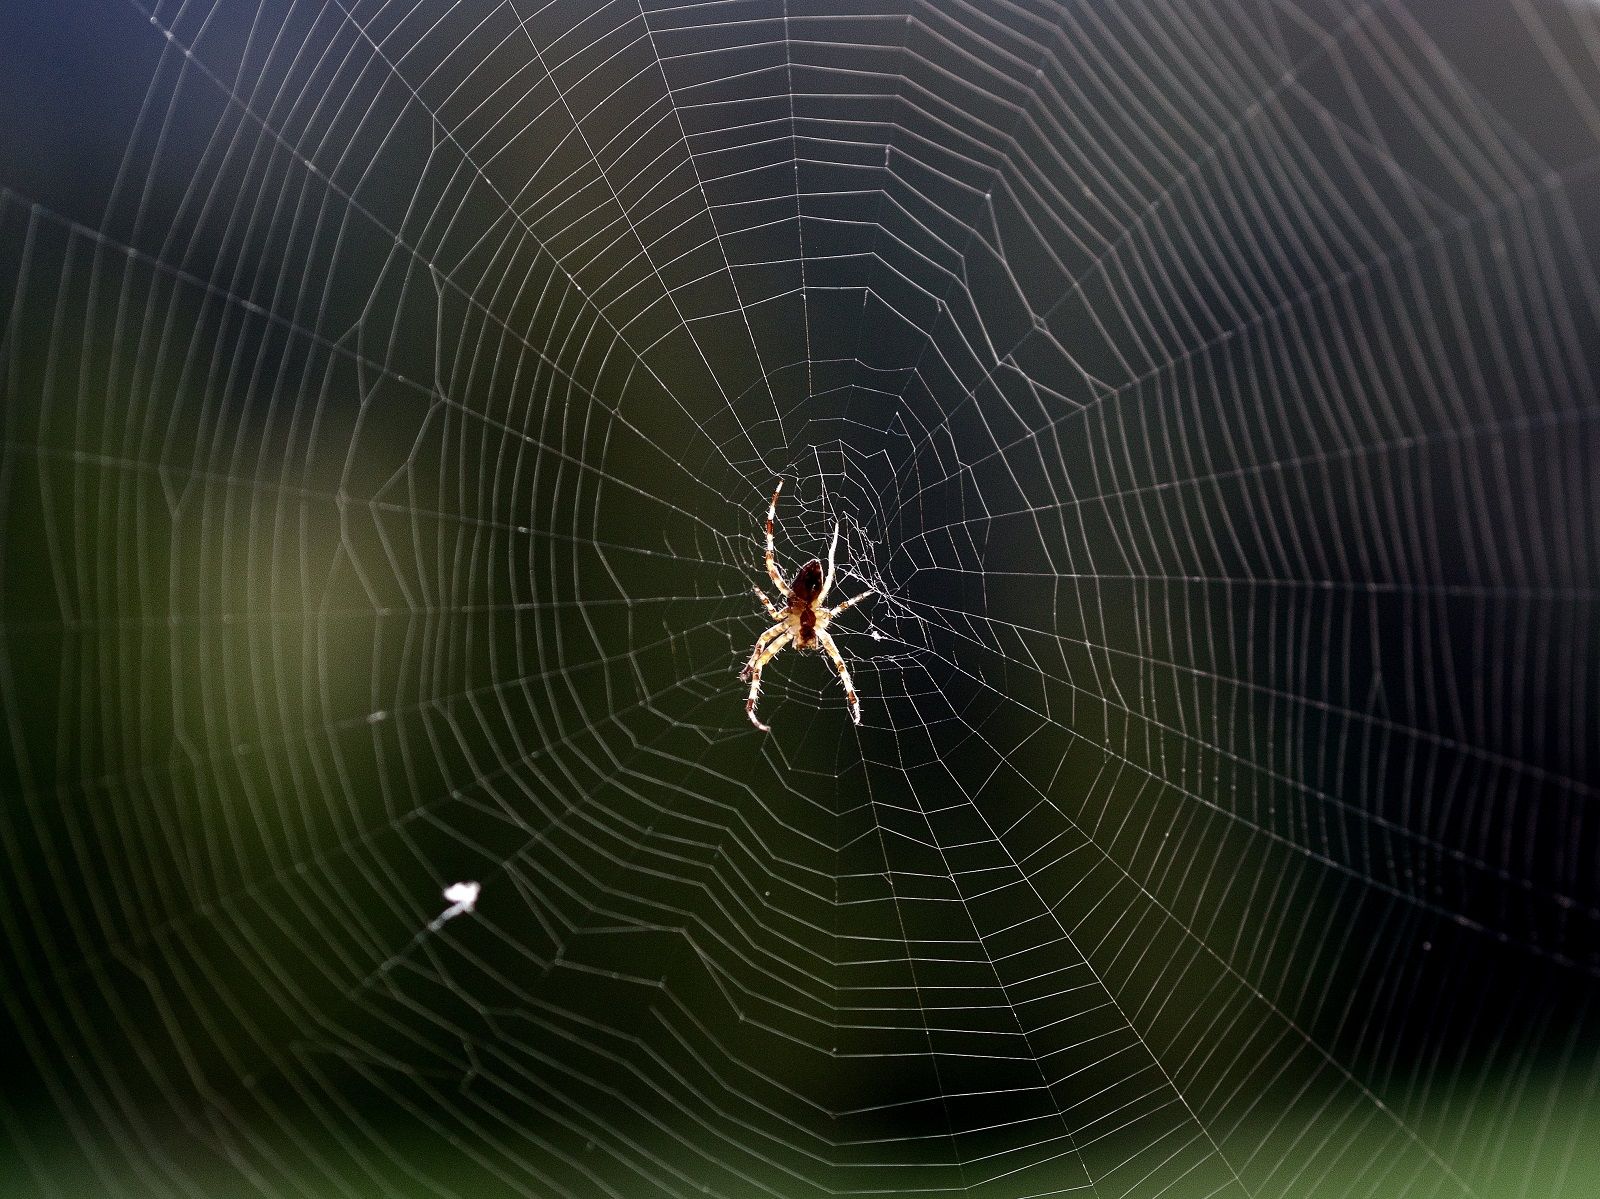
826 640
759 658
761 643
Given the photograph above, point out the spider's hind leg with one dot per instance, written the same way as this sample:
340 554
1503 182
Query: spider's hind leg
827 579
772 611
854 599
772 553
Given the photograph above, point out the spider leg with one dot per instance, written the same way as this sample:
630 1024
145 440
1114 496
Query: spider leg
827 579
767 604
761 643
854 599
753 672
772 561
837 658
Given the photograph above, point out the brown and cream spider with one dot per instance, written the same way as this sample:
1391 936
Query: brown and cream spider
802 621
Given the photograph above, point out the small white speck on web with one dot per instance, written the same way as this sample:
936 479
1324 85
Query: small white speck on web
463 898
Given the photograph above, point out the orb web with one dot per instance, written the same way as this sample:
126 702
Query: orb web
1206 393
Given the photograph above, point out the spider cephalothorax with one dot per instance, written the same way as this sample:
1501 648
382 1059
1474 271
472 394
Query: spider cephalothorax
802 621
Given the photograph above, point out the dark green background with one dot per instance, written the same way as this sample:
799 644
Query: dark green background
390 405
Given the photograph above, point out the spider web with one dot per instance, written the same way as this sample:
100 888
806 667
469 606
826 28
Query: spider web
1207 392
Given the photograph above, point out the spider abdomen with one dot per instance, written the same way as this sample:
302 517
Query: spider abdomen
806 585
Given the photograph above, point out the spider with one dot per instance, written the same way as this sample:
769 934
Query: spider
802 621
